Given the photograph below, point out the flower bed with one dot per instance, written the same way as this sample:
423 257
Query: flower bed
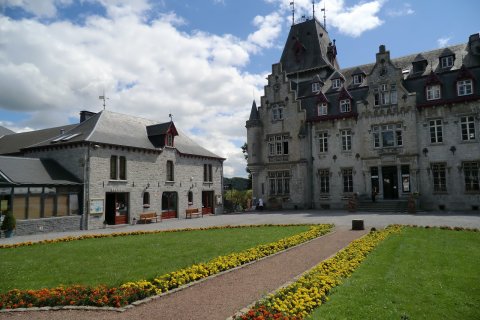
103 296
298 299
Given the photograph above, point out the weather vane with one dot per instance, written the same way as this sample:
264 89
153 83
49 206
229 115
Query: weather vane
293 12
171 117
324 16
104 98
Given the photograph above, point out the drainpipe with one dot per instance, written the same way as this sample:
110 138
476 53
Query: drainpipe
86 186
310 163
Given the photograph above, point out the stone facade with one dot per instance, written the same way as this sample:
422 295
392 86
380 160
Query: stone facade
372 128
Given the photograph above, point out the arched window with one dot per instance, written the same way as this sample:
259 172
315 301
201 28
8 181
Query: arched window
146 199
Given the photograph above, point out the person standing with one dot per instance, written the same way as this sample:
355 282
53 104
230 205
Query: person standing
260 204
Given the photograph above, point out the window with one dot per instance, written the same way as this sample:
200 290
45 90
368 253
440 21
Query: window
345 105
336 83
357 78
190 197
446 62
207 173
346 139
471 173
323 141
146 199
433 92
385 95
279 182
170 171
464 87
322 109
278 145
468 128
169 140
436 131
347 180
387 136
324 180
439 177
316 87
277 112
118 168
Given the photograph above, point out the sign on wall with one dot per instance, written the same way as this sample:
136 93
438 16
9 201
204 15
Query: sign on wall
96 206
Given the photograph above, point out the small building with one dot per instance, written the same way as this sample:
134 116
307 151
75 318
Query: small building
126 165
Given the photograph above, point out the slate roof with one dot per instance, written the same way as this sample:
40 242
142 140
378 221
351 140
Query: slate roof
13 143
107 127
4 131
32 171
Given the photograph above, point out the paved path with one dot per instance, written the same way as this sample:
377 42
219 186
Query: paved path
339 218
221 296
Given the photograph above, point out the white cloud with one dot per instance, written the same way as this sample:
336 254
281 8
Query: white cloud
52 71
405 10
443 42
350 20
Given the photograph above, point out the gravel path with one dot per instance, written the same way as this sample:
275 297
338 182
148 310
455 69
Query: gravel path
221 296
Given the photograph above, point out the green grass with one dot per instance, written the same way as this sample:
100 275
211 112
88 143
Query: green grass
418 274
116 260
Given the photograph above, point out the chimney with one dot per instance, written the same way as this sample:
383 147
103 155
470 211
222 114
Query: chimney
85 115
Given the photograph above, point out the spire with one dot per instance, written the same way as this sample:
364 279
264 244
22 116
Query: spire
254 112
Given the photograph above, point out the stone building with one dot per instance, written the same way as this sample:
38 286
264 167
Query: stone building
400 128
124 165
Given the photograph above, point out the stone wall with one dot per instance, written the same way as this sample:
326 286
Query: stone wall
54 224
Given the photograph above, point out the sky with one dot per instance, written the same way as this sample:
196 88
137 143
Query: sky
202 61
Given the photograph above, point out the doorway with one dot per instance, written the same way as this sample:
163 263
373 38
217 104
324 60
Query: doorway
116 208
390 182
169 205
207 202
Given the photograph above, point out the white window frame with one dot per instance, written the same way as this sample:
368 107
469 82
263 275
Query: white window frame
436 131
316 87
336 83
345 106
464 87
279 182
379 135
446 62
346 135
433 92
322 141
322 109
324 175
468 128
278 145
357 78
347 177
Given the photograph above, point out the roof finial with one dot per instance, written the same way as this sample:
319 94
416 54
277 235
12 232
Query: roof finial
324 16
171 117
313 7
293 12
103 97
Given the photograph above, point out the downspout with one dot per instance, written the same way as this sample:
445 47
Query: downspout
310 163
86 186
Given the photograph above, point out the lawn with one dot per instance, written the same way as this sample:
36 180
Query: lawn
113 261
418 274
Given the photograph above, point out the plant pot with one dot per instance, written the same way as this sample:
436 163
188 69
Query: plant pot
9 233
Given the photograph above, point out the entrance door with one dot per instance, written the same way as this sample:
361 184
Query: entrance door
207 202
169 205
116 208
390 182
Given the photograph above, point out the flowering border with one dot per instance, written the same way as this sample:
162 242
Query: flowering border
104 296
298 299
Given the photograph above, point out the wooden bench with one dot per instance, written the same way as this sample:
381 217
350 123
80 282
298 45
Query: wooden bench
189 213
148 216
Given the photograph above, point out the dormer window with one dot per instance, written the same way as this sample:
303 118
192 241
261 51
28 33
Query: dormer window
316 87
357 78
345 106
464 87
169 141
322 109
433 92
447 62
336 83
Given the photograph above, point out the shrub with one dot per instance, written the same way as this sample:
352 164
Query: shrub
9 223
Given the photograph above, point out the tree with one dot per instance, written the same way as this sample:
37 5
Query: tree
245 155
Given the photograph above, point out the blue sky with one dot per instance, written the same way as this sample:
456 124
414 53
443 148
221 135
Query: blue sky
204 61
